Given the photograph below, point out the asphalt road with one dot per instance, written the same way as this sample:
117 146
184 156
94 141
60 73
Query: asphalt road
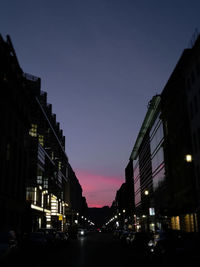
93 250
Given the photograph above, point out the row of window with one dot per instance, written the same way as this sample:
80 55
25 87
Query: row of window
149 167
136 173
34 133
157 153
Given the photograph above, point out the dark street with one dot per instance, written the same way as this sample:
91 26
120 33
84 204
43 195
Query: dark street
95 249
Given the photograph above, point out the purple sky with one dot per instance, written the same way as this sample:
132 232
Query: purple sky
100 62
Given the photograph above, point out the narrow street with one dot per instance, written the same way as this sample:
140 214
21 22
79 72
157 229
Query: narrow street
96 249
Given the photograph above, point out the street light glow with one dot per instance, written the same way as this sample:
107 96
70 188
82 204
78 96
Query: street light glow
188 158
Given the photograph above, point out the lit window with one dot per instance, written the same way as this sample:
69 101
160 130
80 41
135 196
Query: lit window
33 130
41 140
45 183
29 193
39 176
59 165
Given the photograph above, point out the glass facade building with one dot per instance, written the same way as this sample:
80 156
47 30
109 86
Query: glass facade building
157 153
137 182
148 164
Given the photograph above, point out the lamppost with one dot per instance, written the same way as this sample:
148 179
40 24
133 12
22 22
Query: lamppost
124 211
146 192
76 221
189 159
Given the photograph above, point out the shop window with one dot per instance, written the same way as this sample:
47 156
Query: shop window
175 223
30 194
189 223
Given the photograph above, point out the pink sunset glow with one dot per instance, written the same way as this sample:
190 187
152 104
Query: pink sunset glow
99 190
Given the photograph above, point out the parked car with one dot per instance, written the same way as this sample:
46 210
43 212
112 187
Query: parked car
37 241
8 244
50 235
123 236
130 237
117 232
61 238
140 241
172 245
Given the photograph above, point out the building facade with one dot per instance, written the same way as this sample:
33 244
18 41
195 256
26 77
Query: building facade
47 187
35 175
14 162
166 154
192 84
181 189
123 205
148 166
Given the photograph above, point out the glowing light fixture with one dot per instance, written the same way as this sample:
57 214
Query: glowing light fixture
188 158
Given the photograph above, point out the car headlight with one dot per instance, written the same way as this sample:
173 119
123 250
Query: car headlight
151 243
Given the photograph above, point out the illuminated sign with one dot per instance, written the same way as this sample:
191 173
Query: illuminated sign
151 211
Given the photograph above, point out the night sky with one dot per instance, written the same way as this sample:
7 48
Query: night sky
100 62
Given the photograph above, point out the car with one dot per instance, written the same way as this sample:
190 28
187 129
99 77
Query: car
37 241
61 238
130 237
117 232
174 245
82 232
140 241
8 244
123 236
50 235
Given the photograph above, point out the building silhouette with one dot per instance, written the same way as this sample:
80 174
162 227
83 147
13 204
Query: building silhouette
166 154
36 179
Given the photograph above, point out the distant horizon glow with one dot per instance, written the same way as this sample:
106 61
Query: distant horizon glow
98 189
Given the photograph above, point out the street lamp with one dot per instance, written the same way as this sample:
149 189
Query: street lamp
77 214
146 192
188 158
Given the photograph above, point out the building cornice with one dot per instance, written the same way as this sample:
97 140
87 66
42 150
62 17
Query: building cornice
152 109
